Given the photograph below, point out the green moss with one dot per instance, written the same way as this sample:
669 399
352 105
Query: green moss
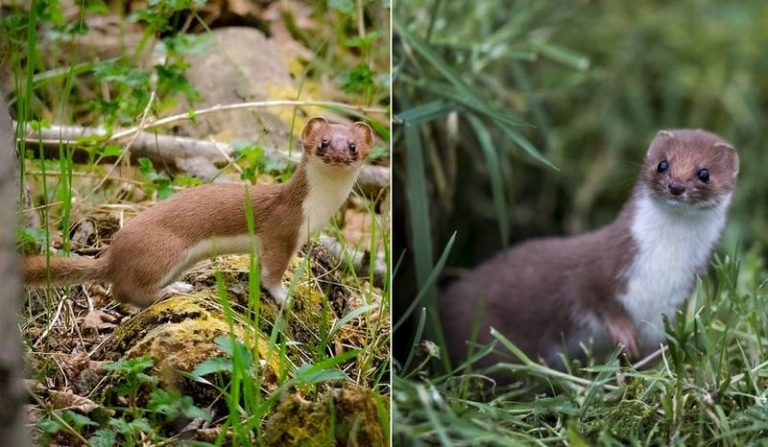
298 422
302 323
623 419
357 421
178 333
345 416
167 313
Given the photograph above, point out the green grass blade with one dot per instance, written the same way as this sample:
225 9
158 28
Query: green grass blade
493 164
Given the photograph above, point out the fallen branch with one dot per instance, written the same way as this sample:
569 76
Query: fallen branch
238 106
199 158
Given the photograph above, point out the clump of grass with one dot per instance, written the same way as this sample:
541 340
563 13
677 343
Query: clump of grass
707 388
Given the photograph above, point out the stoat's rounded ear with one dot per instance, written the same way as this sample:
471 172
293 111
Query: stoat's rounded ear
731 155
313 125
365 132
665 134
662 135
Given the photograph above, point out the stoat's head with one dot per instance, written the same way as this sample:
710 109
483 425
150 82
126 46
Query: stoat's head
337 144
690 168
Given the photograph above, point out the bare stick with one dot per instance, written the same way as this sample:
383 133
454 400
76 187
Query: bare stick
242 105
196 157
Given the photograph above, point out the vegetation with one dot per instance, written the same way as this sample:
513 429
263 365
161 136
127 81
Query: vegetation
521 119
217 366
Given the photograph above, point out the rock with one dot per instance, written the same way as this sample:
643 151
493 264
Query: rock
179 333
241 65
301 422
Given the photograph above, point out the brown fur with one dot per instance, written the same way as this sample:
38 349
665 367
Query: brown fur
72 270
539 293
688 151
532 292
154 245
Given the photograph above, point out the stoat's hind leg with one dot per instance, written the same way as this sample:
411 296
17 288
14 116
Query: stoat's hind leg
146 296
138 296
146 267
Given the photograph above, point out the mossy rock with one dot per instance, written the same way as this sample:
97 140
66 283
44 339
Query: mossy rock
179 333
351 411
302 321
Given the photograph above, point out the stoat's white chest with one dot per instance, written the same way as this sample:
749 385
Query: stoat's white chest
672 246
329 187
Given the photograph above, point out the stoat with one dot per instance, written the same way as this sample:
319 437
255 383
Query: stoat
611 286
157 245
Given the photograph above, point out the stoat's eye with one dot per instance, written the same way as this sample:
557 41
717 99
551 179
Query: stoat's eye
703 175
663 166
324 144
352 148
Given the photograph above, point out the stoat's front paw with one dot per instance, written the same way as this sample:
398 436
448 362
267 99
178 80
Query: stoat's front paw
279 293
622 331
175 288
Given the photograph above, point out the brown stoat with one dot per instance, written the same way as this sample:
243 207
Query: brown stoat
154 247
613 285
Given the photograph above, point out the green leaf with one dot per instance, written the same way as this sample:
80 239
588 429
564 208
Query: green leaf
77 420
141 425
183 43
561 54
130 366
356 80
528 147
324 370
345 6
426 112
103 438
214 365
96 6
466 93
49 426
428 283
189 410
314 377
493 164
111 150
338 324
362 42
145 166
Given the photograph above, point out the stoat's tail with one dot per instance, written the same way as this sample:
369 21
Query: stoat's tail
38 270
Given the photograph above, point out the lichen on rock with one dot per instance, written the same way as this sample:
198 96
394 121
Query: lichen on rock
179 333
346 416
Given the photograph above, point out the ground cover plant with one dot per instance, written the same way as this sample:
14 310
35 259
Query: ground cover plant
122 104
524 119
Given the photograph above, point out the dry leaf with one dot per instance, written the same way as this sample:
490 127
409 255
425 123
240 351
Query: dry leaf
98 319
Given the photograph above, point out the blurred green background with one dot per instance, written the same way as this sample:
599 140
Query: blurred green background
485 91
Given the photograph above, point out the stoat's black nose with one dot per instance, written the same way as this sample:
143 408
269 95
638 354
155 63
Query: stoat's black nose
676 188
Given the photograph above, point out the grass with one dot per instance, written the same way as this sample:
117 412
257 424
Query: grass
252 369
490 97
709 387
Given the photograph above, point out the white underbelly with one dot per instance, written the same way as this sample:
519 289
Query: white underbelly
209 248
